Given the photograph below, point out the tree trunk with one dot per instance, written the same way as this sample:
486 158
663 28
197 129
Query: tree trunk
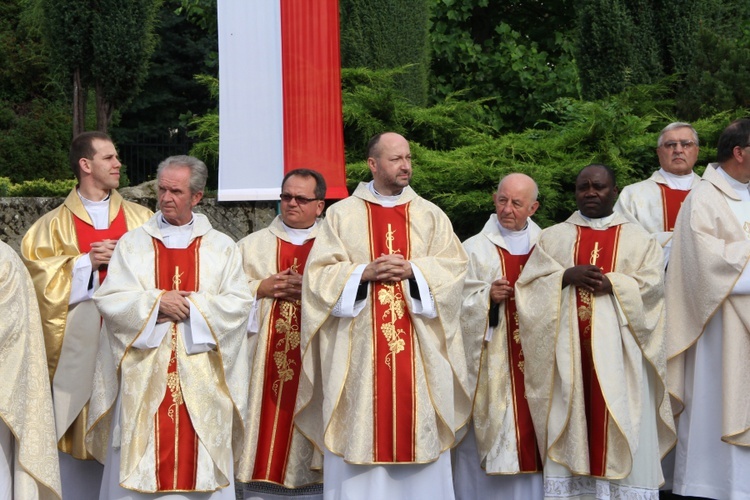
79 104
104 110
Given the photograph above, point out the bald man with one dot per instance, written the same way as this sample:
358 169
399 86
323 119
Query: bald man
499 457
381 295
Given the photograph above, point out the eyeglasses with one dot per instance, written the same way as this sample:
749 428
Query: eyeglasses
673 144
301 200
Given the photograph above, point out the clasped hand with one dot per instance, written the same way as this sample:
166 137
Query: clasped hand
388 269
174 306
101 252
286 285
587 277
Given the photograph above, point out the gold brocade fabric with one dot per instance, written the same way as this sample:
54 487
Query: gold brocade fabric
25 403
493 416
213 383
335 398
49 250
709 252
642 203
259 262
627 328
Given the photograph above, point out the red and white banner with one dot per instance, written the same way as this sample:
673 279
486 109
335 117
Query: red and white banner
279 96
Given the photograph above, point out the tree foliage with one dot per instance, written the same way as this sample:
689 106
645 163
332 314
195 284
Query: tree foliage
102 45
170 93
382 34
517 54
620 131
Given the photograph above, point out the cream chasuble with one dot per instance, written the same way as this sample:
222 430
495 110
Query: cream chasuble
133 372
497 456
654 204
495 415
628 354
50 250
336 405
709 341
286 455
25 403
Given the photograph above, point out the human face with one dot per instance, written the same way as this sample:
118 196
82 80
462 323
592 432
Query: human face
300 215
678 160
514 202
391 167
101 173
176 202
595 193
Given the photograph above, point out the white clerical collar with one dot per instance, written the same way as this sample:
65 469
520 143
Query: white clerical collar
298 236
740 188
386 201
598 224
517 241
175 236
681 182
98 210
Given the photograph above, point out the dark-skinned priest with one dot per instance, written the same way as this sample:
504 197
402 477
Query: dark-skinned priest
591 313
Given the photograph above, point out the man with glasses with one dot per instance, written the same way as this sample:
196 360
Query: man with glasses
708 312
276 457
384 389
655 202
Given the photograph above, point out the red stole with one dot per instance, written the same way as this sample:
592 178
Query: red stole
176 440
528 453
597 248
281 377
671 201
394 391
87 235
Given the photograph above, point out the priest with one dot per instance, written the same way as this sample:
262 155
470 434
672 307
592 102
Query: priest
28 451
384 388
67 252
499 458
708 310
171 376
591 319
277 458
655 202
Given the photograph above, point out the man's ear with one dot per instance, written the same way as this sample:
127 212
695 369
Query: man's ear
84 165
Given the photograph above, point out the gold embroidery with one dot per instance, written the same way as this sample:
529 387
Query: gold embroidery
584 311
289 329
746 227
396 307
516 332
595 254
389 240
173 378
295 266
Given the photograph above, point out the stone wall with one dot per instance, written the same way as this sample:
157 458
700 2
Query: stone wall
237 219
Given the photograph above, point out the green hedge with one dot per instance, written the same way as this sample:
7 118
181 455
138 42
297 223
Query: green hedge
36 187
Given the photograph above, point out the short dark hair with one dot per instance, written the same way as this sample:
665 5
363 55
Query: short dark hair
372 145
320 182
736 134
607 168
82 147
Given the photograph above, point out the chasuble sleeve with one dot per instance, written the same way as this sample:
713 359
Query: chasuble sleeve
25 398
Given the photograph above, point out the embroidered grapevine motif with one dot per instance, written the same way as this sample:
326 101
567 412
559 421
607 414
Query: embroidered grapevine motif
388 296
287 326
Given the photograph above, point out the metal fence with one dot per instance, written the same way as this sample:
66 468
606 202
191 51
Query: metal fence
143 156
